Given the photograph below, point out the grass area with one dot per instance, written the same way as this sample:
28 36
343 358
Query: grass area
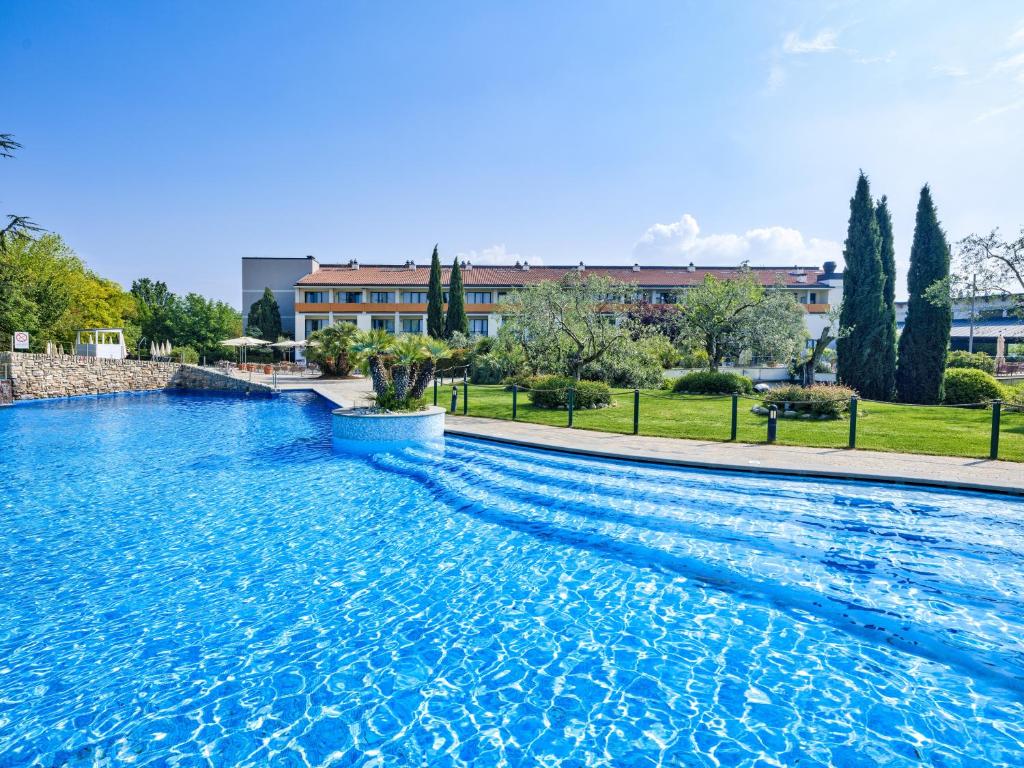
935 430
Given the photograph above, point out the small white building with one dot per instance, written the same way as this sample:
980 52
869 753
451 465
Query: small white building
101 342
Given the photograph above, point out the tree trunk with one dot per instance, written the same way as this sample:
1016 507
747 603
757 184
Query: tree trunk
378 374
422 379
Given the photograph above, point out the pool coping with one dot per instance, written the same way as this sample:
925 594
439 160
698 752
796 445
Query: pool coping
1002 477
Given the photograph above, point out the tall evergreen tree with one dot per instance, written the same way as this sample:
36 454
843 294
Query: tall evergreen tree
456 319
925 337
887 349
265 314
435 299
860 320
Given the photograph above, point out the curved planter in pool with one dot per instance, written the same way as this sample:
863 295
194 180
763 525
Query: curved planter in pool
355 428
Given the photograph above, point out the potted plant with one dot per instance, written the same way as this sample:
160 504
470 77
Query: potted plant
400 370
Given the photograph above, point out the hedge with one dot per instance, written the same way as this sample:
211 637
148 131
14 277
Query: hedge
960 359
713 383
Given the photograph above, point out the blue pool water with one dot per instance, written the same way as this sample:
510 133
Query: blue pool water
199 580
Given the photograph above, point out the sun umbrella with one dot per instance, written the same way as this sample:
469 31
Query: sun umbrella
152 350
244 342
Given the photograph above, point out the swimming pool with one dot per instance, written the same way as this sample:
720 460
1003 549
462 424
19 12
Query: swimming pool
189 580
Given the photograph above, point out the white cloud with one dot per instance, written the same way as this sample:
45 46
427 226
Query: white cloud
950 70
495 255
822 42
1013 62
776 77
1017 38
681 242
1011 107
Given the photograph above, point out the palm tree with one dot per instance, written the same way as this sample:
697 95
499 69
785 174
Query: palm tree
373 347
330 347
432 350
407 351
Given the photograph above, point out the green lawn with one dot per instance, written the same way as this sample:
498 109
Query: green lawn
883 427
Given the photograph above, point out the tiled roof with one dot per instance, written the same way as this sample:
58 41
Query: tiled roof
512 277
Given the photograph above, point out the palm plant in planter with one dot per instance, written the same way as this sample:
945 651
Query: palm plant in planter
400 368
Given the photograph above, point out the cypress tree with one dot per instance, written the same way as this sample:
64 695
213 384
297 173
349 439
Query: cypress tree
456 319
887 349
860 319
435 299
265 314
925 337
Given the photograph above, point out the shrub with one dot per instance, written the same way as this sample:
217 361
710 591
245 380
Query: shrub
521 380
553 392
1014 396
970 385
979 360
485 369
713 383
819 399
185 354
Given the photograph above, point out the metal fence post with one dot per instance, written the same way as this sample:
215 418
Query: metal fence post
636 411
465 396
455 398
515 398
735 407
572 402
435 390
993 452
773 422
853 422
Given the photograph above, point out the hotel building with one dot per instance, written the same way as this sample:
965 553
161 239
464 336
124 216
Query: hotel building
393 297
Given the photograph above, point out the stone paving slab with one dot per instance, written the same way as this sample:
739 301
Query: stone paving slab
877 466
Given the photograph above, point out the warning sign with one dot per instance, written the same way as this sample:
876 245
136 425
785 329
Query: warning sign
21 339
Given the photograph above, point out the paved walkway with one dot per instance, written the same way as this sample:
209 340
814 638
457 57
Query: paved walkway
911 468
916 469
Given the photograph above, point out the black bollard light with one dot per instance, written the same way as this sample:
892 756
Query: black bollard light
993 452
773 422
735 407
515 398
455 398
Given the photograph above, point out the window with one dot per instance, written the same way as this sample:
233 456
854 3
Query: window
478 327
350 297
382 297
478 297
412 325
383 324
812 298
315 324
318 297
502 295
414 297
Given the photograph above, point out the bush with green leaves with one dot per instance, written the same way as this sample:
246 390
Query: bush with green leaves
639 364
185 355
713 383
961 359
970 385
553 392
818 400
486 369
521 380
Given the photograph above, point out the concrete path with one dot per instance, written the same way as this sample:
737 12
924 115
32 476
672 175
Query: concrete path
914 469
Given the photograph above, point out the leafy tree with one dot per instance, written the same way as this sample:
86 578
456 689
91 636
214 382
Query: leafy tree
203 323
861 319
887 345
45 289
265 316
435 299
16 226
156 309
644 318
565 325
994 265
456 320
925 337
331 348
729 317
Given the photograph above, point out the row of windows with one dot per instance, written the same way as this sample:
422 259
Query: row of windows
477 326
388 297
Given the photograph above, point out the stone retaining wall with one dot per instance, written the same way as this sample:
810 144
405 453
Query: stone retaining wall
37 376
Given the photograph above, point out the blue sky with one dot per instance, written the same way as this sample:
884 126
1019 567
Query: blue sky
169 139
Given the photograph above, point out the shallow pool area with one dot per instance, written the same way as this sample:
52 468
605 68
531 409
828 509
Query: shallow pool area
203 580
